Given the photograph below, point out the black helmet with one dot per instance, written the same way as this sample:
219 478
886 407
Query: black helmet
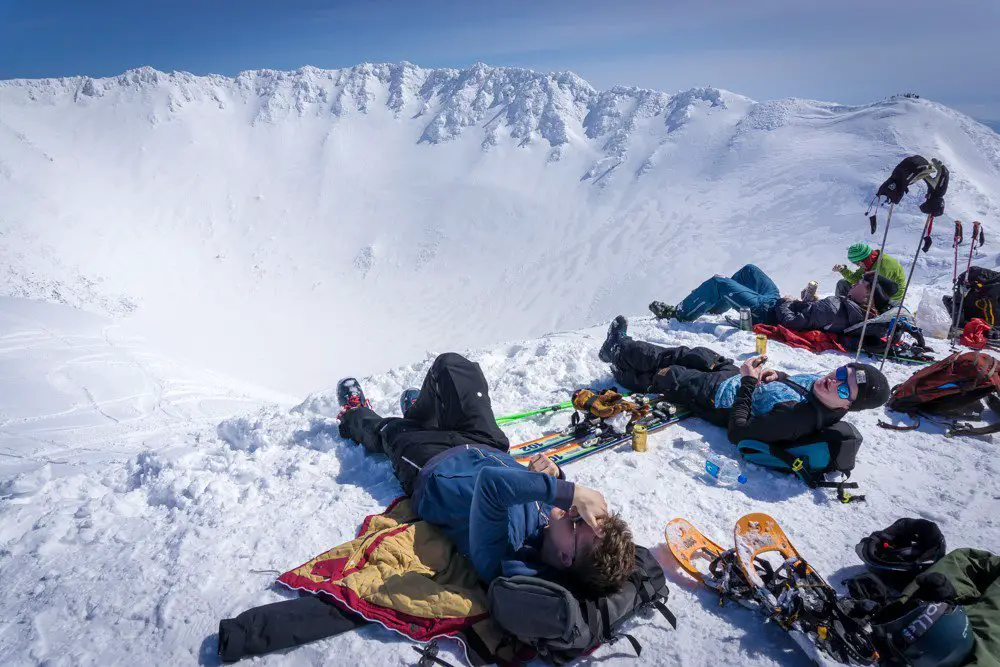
925 634
908 545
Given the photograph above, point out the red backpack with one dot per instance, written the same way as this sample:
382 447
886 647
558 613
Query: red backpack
953 387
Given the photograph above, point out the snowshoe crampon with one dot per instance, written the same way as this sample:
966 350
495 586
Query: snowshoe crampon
709 563
797 598
764 572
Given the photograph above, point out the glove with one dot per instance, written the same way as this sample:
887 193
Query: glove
934 587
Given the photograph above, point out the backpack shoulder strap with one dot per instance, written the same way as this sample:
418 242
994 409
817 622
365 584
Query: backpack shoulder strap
808 397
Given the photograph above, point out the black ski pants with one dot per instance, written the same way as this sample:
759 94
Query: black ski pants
282 625
690 375
453 409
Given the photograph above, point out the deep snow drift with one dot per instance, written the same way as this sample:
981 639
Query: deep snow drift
354 218
287 228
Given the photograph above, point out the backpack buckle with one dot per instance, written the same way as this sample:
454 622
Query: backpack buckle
797 465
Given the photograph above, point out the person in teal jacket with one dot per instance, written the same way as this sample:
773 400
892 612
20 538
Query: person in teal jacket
863 255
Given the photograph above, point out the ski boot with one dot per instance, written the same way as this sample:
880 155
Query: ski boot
407 399
618 330
662 311
350 396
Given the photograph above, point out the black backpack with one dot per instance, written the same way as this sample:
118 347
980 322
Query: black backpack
561 626
832 449
907 338
983 298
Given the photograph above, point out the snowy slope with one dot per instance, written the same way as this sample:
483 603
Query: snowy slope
136 561
389 208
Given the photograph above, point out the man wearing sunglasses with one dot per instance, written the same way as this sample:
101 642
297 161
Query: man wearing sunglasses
752 402
450 456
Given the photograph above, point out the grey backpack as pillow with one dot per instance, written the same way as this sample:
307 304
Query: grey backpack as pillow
561 626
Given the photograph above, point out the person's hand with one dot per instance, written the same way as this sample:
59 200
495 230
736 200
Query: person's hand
753 367
590 506
768 375
837 268
787 297
542 463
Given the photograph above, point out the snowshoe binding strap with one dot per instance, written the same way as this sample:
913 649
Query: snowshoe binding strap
729 581
808 604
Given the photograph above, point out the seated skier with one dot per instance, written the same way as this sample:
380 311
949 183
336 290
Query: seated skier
751 288
449 454
752 402
863 255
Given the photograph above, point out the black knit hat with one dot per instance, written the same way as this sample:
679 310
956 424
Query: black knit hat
885 288
873 388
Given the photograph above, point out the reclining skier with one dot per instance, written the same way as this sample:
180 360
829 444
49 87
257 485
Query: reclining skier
752 402
449 454
751 288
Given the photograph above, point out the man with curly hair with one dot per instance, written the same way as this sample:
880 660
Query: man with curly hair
450 456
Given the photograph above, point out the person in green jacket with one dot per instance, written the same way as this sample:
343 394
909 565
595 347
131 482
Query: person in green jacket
970 578
863 255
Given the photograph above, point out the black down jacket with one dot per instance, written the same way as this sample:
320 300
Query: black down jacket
832 314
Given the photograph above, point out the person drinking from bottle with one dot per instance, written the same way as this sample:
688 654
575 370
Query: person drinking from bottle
863 255
751 401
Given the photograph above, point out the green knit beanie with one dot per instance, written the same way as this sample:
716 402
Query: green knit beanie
859 252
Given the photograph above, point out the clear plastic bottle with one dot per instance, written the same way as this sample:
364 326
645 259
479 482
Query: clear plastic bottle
725 470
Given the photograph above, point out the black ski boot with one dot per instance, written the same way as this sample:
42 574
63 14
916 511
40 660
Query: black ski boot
616 332
407 399
350 396
662 311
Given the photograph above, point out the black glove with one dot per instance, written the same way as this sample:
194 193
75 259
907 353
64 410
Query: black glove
867 586
933 205
906 172
934 587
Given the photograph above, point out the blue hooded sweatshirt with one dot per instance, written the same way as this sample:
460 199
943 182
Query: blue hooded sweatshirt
491 506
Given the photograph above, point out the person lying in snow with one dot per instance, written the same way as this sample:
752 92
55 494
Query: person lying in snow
752 402
450 456
863 255
752 288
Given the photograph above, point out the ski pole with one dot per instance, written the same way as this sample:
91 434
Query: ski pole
977 235
871 294
957 242
507 419
954 280
913 265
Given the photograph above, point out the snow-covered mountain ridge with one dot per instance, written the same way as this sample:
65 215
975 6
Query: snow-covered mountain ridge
433 208
556 108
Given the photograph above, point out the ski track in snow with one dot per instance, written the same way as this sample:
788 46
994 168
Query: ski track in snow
137 516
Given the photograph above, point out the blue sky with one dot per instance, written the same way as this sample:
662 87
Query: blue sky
851 51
